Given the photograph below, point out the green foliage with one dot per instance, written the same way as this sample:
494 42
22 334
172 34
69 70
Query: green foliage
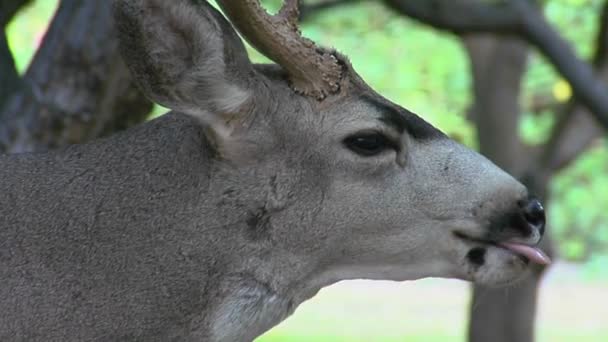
26 32
535 128
578 212
595 268
427 72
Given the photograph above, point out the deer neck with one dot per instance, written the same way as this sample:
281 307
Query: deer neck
260 282
259 291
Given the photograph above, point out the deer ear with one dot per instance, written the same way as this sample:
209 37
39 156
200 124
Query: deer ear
185 56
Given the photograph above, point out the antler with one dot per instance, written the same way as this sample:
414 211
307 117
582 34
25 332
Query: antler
312 71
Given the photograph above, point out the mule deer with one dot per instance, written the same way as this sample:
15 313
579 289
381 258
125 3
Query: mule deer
264 184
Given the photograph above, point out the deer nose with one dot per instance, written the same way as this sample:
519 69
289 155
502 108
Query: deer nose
534 213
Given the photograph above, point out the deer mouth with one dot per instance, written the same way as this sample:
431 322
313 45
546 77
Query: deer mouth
524 251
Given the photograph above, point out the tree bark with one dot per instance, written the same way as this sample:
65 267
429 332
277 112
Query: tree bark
77 87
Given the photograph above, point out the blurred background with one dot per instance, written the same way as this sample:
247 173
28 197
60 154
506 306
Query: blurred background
521 81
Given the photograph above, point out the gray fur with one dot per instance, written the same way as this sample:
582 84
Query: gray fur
214 222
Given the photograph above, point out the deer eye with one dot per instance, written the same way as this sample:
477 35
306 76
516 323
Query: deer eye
369 144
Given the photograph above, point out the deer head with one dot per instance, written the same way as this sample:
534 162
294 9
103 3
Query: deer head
329 170
318 177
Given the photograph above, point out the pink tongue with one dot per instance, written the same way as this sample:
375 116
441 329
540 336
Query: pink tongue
533 253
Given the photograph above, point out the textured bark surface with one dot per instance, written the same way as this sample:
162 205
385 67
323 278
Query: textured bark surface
77 87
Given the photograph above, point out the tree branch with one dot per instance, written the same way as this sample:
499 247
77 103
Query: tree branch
601 54
308 10
8 9
573 136
459 16
544 102
514 17
587 89
77 86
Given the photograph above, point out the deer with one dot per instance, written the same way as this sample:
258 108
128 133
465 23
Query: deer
263 184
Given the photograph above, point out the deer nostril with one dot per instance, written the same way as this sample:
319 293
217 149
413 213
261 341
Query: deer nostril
534 213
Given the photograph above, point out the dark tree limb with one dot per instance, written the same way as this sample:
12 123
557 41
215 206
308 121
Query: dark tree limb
577 129
573 135
544 102
519 18
77 87
601 53
512 17
309 9
460 16
588 90
8 9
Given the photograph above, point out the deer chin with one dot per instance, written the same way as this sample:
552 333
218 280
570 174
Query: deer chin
496 263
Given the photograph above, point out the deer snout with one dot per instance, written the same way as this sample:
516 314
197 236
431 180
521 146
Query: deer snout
518 230
534 213
524 222
521 222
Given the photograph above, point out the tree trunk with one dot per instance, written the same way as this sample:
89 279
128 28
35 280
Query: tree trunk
77 87
498 64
